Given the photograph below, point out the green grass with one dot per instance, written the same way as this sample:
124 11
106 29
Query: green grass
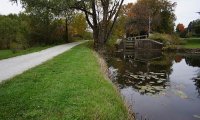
192 43
70 86
8 53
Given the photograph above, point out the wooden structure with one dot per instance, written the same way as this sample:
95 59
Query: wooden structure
141 42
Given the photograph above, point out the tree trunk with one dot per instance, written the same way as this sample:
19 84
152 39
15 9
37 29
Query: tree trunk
95 37
66 31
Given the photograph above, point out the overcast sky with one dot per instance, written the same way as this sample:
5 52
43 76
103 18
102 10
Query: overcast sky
185 10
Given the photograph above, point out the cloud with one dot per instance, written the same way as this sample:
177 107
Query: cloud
6 7
185 10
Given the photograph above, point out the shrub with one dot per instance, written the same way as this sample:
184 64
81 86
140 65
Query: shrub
166 39
13 30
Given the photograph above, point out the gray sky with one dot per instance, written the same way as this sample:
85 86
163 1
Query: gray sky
185 10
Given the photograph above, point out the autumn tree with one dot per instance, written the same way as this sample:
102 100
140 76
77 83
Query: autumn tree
78 25
120 27
180 28
160 14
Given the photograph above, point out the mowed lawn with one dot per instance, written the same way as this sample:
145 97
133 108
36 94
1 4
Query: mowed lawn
192 43
68 87
9 53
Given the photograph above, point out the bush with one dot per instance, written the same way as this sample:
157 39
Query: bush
13 31
166 39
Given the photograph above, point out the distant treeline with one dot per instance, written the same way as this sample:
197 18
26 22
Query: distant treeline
27 30
193 29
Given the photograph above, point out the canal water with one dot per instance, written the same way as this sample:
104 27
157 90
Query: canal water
158 86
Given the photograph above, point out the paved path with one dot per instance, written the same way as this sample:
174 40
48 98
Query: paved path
17 65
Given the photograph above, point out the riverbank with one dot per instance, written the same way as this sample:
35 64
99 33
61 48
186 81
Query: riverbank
188 45
192 43
181 49
70 86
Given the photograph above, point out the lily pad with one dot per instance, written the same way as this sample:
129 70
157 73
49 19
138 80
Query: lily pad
143 87
159 73
148 78
141 91
163 79
159 81
181 94
152 82
196 116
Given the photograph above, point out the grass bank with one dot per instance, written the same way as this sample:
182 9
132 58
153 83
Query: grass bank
70 86
192 43
9 53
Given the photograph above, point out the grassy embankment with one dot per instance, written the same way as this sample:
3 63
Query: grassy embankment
71 86
192 43
173 41
9 53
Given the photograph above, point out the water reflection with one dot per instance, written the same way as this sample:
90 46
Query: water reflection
194 61
167 82
197 83
147 72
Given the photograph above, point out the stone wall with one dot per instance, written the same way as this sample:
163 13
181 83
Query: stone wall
148 44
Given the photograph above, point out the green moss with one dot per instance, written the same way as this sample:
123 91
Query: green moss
70 86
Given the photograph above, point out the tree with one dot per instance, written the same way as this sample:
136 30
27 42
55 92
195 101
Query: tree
180 28
120 27
13 32
78 25
101 16
194 27
160 14
47 11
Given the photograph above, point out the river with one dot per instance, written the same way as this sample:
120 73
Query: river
156 85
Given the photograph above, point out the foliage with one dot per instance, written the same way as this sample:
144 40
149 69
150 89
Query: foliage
101 16
194 28
14 32
43 13
78 25
166 39
119 29
181 30
62 89
159 12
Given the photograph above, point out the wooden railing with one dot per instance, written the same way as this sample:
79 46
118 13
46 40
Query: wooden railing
137 37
